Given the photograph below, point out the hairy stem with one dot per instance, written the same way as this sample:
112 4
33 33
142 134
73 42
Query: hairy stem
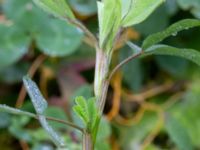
87 141
100 81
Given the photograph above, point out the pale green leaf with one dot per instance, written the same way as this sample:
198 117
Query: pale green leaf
81 101
92 109
178 133
109 13
55 137
136 11
59 8
81 114
81 109
172 30
189 54
87 111
37 99
5 108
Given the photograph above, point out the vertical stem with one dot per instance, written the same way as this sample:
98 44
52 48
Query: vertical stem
87 141
100 81
100 89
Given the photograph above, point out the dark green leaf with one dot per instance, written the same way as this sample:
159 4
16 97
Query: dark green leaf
172 30
178 133
192 5
53 37
189 54
175 66
13 45
84 7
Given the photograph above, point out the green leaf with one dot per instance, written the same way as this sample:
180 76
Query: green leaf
109 14
189 106
189 54
28 17
178 133
192 5
92 110
87 111
53 37
13 45
56 112
82 109
55 137
175 66
172 30
40 106
37 99
84 7
5 120
59 8
59 38
81 114
14 111
136 11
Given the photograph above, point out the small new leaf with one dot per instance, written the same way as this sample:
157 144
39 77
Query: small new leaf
87 111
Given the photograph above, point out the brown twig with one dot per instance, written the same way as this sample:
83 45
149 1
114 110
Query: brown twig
123 63
116 98
131 121
36 64
85 30
63 122
154 132
149 93
24 145
172 100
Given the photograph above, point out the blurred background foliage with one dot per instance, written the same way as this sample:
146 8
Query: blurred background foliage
153 103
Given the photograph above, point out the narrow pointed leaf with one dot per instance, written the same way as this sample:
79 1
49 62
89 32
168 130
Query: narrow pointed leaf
190 54
59 8
172 30
55 137
136 11
37 99
5 108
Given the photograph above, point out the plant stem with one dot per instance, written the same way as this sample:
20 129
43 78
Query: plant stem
123 63
87 141
100 81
